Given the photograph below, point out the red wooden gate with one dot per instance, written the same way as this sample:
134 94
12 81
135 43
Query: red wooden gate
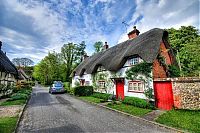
163 95
120 89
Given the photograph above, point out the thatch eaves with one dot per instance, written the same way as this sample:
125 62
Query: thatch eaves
6 65
145 46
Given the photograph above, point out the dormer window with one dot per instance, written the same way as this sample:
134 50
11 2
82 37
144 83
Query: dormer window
100 68
133 61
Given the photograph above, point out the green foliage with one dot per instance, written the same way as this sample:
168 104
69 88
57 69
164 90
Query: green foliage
137 102
83 90
7 124
103 96
98 46
15 102
148 93
130 109
173 71
6 90
161 60
72 55
91 99
141 68
21 94
186 42
59 66
183 119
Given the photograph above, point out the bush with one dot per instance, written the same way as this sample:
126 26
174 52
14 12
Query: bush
141 103
18 96
103 96
83 90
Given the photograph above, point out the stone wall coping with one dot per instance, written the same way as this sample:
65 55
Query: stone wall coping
179 79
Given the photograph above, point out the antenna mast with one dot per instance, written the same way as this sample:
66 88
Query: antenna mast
125 24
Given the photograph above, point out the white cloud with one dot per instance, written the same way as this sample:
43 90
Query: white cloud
164 14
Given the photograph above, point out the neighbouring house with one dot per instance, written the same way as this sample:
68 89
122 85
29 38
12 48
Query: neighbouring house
8 71
23 76
128 68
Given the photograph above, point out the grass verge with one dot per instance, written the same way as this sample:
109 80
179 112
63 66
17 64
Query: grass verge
183 119
16 102
7 124
129 109
91 99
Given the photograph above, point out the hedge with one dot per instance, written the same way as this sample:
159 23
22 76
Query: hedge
83 90
103 96
141 103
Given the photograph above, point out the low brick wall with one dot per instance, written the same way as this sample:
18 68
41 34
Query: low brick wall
186 93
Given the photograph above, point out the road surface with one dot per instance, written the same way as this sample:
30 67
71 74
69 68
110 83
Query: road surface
63 113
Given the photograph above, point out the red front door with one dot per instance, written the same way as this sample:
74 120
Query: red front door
163 95
120 89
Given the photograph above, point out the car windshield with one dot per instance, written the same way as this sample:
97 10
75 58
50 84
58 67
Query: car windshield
58 85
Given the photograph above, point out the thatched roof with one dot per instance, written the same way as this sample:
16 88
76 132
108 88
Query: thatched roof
6 65
22 75
145 45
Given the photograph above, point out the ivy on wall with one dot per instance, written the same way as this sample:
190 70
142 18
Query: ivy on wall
172 70
143 68
103 75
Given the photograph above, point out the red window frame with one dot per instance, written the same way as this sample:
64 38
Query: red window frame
136 82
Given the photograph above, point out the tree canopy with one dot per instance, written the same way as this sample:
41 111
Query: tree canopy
185 42
22 62
98 46
59 66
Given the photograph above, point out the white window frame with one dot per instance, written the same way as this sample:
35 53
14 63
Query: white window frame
102 84
133 61
136 86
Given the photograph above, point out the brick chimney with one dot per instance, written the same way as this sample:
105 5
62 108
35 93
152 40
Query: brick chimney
0 45
106 46
134 33
85 56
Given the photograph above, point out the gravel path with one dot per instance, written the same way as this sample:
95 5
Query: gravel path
64 113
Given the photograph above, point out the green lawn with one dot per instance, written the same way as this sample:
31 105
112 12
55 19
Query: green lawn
183 119
7 124
130 109
91 99
15 102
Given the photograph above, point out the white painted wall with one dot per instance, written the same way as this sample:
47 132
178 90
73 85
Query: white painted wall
9 77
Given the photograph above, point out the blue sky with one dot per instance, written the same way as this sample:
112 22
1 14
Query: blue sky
32 28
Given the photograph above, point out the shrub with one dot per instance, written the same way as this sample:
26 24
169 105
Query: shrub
83 90
141 103
103 96
18 96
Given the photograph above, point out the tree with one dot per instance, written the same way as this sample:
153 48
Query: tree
72 56
98 46
22 62
185 41
48 70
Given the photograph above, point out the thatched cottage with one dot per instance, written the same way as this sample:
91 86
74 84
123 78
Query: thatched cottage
8 71
128 68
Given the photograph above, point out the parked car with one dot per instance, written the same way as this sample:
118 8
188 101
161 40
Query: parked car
57 87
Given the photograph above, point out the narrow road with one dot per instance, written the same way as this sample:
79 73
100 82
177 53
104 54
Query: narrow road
63 113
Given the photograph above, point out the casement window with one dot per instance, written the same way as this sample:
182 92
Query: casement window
136 86
87 83
100 68
102 84
133 61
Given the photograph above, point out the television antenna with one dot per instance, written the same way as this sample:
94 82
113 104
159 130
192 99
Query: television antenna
125 24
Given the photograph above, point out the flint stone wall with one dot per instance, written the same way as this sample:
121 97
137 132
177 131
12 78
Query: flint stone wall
186 93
